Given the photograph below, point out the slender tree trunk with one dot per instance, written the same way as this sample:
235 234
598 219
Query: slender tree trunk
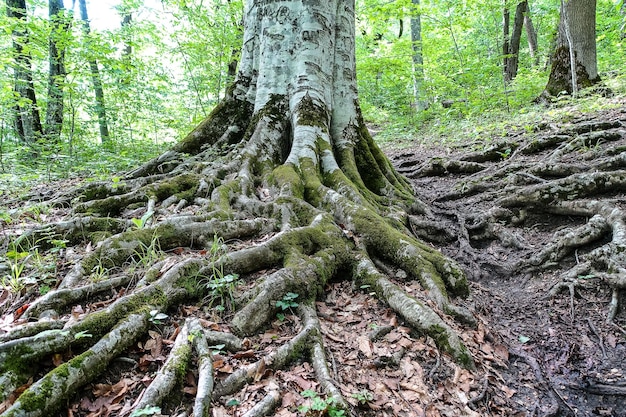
574 62
531 34
27 119
56 76
127 19
96 79
506 33
511 59
418 57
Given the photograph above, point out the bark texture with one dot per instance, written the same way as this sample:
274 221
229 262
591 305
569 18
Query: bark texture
574 62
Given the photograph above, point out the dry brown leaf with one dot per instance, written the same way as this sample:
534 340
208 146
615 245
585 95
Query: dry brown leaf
365 346
502 352
260 371
508 391
211 325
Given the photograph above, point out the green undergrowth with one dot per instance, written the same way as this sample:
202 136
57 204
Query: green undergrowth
20 170
463 126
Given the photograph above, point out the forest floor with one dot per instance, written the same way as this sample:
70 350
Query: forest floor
538 350
536 355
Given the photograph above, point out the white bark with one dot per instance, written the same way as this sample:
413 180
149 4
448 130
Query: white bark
303 50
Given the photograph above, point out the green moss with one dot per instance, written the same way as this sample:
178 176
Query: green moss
184 353
286 175
229 112
99 236
311 113
15 364
183 186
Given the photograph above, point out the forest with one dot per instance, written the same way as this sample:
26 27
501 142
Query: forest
312 208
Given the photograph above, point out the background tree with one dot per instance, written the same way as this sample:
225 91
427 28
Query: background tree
27 119
60 25
574 62
100 107
511 44
418 56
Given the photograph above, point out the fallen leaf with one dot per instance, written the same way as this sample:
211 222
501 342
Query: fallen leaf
365 346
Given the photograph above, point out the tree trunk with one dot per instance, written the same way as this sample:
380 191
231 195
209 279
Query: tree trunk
95 78
284 162
511 58
56 75
576 39
418 57
531 34
27 120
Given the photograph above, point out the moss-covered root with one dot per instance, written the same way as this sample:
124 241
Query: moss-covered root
418 315
319 361
56 300
206 382
295 348
49 393
171 373
140 244
266 405
305 279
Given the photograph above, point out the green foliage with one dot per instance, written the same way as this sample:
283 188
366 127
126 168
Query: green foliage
147 411
363 396
156 317
288 301
221 286
318 406
151 102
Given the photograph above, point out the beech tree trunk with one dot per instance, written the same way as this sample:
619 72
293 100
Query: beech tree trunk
27 120
574 62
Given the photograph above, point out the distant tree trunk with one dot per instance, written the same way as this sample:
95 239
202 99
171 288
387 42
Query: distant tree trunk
27 120
56 75
531 34
95 77
418 58
511 48
127 19
574 62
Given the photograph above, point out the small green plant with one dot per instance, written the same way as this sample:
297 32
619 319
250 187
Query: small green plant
318 406
82 335
14 281
141 223
363 396
233 402
221 286
99 272
505 154
156 317
148 411
117 181
148 255
288 301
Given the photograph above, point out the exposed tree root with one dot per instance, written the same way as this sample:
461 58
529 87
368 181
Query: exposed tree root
236 227
500 195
